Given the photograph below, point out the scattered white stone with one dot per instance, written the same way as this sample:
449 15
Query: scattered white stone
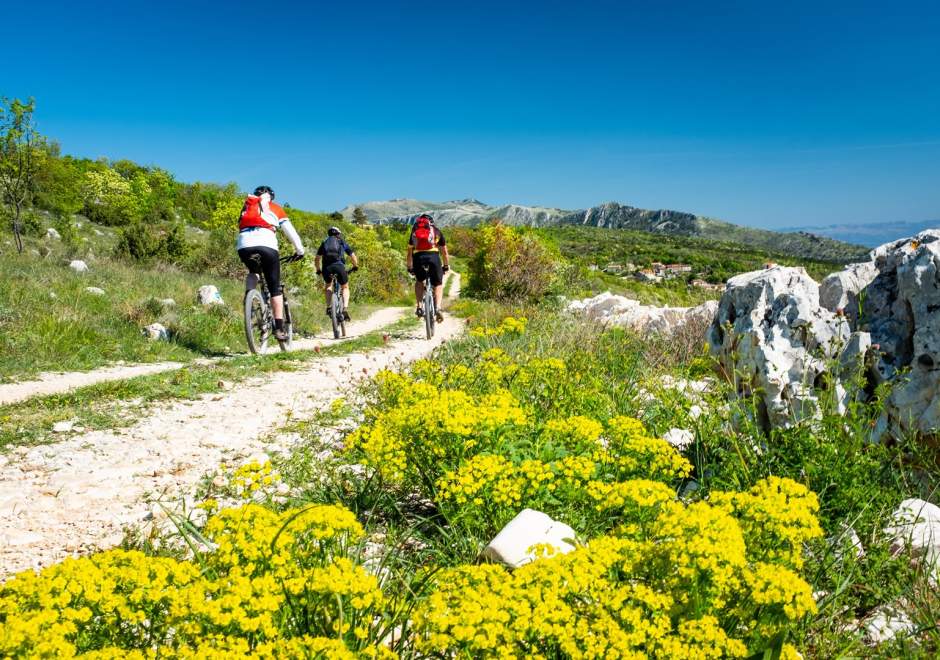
52 234
887 622
62 427
156 332
847 543
915 526
167 302
94 290
209 295
79 266
514 544
98 232
625 312
681 439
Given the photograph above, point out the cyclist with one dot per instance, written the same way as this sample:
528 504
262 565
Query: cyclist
331 255
257 237
426 247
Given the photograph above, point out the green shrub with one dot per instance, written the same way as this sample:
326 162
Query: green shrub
144 241
511 265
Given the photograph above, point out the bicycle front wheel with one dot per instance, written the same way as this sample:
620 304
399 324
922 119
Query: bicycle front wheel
429 311
257 329
336 314
288 328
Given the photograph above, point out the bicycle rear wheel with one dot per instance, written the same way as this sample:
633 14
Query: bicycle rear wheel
429 310
288 328
257 328
336 311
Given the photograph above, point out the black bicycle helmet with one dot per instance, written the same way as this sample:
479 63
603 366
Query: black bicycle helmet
334 231
260 190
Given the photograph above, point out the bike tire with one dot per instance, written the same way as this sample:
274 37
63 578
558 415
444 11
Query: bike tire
288 327
256 330
429 312
336 315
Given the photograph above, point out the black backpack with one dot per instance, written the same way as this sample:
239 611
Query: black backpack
333 249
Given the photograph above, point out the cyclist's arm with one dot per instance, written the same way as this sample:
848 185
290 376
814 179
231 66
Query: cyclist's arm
292 236
316 262
445 256
354 259
409 258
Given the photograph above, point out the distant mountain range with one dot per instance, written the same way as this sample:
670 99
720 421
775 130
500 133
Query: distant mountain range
611 215
871 234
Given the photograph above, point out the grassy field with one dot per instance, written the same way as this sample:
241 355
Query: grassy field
49 321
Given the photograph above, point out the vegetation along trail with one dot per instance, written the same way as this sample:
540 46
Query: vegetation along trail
57 383
78 494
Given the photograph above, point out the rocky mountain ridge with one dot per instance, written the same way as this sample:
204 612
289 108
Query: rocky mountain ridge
610 215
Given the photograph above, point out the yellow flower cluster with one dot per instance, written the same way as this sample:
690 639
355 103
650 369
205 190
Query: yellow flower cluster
509 326
277 585
678 586
251 477
777 515
427 427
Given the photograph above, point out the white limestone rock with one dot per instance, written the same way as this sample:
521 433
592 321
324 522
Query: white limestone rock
78 266
52 234
95 291
513 545
681 439
772 334
886 623
156 332
629 313
208 294
839 292
915 527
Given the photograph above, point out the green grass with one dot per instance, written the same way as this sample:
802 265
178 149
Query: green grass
116 404
49 322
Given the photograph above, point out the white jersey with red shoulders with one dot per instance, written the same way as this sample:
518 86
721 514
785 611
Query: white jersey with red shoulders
276 218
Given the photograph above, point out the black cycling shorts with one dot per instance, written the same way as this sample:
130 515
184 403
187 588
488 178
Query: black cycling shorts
337 268
427 265
270 265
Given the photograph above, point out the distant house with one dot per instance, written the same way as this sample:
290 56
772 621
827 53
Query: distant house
647 275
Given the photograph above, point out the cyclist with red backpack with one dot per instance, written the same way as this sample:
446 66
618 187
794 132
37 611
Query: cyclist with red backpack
257 248
426 248
331 255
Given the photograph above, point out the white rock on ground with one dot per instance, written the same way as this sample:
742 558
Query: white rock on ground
78 266
915 527
156 332
167 302
52 234
208 294
772 335
625 312
887 622
62 427
95 291
681 439
513 545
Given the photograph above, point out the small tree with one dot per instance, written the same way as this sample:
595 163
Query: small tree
19 146
359 217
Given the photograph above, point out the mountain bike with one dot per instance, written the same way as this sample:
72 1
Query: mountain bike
336 306
430 307
259 317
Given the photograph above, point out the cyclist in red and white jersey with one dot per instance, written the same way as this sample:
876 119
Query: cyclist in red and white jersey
257 235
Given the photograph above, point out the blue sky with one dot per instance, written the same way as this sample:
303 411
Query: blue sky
791 114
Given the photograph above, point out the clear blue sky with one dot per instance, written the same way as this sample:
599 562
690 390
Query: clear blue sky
762 114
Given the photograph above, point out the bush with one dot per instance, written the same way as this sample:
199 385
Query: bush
510 265
145 241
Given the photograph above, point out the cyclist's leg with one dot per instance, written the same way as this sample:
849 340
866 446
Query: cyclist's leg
271 264
251 279
421 276
436 277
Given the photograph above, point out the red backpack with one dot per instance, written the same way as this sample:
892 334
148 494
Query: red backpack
251 214
425 238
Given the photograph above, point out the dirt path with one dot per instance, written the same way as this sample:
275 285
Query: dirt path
79 494
57 383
